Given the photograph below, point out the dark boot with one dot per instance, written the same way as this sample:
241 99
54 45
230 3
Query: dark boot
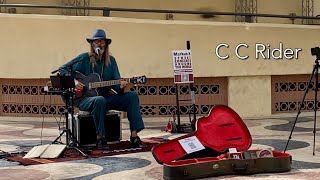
102 144
137 143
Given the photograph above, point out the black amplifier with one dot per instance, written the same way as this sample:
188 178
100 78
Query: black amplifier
85 130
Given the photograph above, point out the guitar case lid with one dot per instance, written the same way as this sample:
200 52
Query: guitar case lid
220 130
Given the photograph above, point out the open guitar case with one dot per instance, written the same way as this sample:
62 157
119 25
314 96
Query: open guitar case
226 140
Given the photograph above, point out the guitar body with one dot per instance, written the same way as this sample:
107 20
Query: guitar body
86 92
220 130
86 80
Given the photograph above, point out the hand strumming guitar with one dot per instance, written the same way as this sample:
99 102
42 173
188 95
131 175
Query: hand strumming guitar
79 85
126 86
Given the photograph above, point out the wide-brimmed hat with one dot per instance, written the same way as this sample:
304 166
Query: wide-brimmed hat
99 34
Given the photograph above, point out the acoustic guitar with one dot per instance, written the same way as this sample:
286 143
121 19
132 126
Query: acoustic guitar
220 130
94 86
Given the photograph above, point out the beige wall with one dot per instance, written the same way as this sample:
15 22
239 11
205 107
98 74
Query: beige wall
316 7
317 10
34 45
45 42
250 96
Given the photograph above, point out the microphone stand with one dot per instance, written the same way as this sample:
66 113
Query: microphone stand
67 67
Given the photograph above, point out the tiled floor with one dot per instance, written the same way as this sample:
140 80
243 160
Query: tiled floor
21 134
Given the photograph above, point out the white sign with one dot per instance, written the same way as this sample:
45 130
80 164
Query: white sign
233 150
191 144
182 66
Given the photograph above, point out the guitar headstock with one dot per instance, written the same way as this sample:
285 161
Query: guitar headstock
138 79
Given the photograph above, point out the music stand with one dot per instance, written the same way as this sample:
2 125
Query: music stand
62 82
65 86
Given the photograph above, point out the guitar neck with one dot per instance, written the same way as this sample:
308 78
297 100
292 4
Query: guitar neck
107 83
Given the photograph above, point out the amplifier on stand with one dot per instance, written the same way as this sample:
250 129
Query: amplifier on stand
85 131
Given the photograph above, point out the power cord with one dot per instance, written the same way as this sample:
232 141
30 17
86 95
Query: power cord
44 98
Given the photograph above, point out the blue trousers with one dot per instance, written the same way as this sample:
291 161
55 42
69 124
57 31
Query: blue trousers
98 106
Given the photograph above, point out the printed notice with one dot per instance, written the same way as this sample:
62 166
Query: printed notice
182 66
191 144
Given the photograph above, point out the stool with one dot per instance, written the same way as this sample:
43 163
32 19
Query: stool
85 130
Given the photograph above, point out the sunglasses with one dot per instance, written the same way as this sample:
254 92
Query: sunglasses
99 41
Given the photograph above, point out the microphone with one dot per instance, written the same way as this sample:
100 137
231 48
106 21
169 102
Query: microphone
97 50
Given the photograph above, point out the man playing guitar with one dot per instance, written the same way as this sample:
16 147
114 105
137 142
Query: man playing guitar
99 61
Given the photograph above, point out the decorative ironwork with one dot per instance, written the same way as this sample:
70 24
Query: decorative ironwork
23 90
76 3
287 93
307 10
246 6
292 86
291 106
3 9
27 97
184 89
31 109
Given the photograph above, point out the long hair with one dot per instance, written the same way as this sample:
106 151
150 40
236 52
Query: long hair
105 56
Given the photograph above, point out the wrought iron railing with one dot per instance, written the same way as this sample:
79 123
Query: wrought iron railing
106 12
77 3
2 9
